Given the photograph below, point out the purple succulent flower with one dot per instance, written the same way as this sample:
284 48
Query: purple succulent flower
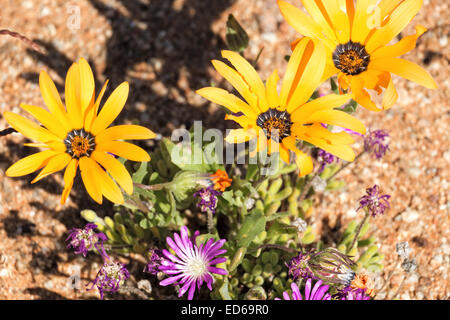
83 240
110 277
157 262
328 265
349 293
375 202
377 142
318 292
325 158
192 263
208 199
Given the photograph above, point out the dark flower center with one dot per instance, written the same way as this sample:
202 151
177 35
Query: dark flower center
276 124
79 143
351 58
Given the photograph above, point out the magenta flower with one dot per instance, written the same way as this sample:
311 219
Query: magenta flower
110 277
319 292
375 202
83 240
192 263
349 293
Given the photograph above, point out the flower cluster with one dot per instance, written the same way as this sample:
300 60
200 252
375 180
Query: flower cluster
110 277
377 143
112 274
324 158
208 199
375 202
83 240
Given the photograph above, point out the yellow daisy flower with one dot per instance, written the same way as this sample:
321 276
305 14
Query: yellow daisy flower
356 38
78 135
283 118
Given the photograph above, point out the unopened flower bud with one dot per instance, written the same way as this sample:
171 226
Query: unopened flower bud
329 265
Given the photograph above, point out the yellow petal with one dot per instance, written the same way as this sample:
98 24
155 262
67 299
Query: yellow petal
54 145
46 119
335 138
87 85
28 128
226 99
371 78
249 75
273 100
125 150
111 109
338 118
362 96
36 145
69 175
261 143
319 14
115 169
303 23
284 153
243 121
350 6
323 103
403 46
287 86
30 164
387 6
240 135
237 81
90 180
302 160
398 20
339 19
73 89
304 163
365 12
125 132
330 70
390 95
342 151
92 111
311 70
107 186
405 69
55 164
53 100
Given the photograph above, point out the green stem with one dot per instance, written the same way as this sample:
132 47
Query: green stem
158 186
210 222
346 165
306 188
358 230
